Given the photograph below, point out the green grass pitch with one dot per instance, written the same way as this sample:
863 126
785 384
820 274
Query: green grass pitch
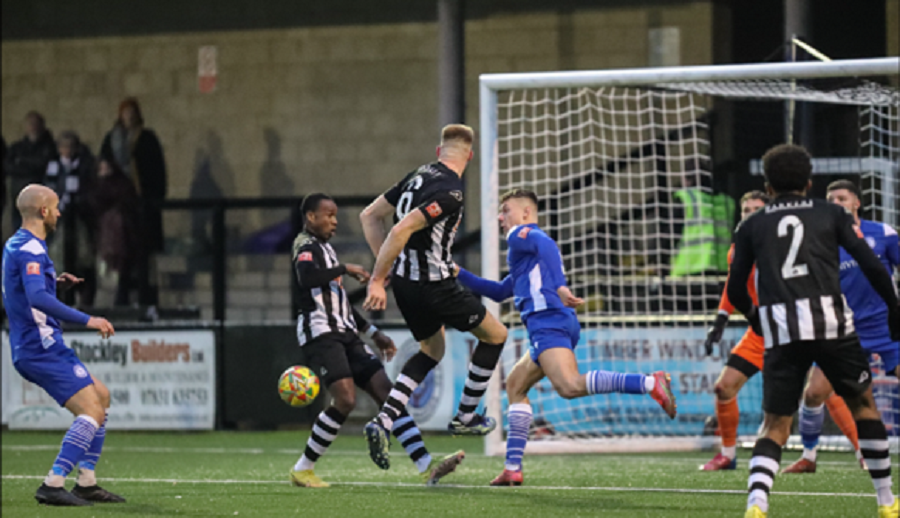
246 474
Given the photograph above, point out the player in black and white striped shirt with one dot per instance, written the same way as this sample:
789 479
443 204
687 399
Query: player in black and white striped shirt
427 207
328 329
802 315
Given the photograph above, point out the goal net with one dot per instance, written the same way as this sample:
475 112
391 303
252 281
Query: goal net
639 173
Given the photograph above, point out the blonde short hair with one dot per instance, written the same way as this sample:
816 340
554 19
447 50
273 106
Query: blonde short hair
457 133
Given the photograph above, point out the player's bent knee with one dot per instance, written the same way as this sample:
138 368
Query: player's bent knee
515 389
725 391
97 411
345 404
814 397
492 331
777 428
103 394
568 390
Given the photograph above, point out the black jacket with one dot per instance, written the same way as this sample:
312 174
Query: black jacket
147 157
27 162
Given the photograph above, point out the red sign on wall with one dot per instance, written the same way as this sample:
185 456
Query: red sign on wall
207 68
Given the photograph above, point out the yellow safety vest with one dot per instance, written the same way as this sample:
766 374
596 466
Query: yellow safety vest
706 236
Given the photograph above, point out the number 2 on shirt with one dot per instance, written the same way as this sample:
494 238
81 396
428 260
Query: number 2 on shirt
790 270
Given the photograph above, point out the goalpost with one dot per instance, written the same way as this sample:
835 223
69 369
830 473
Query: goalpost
613 155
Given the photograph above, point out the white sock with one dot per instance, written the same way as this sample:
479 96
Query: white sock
304 464
885 496
729 451
649 383
86 478
54 480
759 498
423 463
809 455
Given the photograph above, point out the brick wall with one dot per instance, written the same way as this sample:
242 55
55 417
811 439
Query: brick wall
341 109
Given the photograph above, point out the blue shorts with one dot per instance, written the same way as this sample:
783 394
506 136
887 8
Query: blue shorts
552 328
875 337
57 370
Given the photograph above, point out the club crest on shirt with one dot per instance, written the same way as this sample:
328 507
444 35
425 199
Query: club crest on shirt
457 194
33 269
524 232
433 209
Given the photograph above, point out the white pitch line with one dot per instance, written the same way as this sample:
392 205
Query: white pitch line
260 451
464 486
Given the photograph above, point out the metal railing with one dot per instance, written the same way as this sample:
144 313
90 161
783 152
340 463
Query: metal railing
218 210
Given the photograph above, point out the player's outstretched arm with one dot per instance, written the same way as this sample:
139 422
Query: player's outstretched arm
372 219
311 276
496 291
44 301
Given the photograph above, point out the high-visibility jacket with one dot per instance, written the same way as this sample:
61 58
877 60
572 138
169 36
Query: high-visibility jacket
706 236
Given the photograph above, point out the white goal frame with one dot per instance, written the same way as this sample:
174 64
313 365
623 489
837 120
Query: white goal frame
489 87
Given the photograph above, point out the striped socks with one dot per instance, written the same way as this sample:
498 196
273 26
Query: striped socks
88 464
75 443
406 431
604 382
811 422
763 467
873 444
484 360
413 373
324 431
519 416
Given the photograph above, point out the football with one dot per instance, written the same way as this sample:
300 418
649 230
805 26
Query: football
298 386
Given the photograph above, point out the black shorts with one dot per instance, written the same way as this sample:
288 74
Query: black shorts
428 306
785 367
336 356
745 367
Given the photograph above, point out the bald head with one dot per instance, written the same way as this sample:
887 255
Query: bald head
35 197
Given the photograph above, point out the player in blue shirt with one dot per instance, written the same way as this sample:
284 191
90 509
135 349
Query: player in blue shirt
41 356
870 318
537 280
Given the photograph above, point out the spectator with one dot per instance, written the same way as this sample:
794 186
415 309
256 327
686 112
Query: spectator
705 220
136 151
119 245
72 177
28 158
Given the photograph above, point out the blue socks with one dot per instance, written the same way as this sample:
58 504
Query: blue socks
92 455
811 422
74 445
604 382
519 416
